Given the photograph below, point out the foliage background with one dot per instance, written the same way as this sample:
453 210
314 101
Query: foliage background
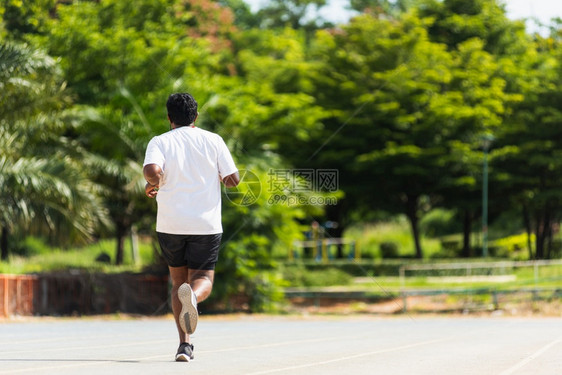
397 100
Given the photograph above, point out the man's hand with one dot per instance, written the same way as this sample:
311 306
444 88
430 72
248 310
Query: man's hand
152 174
231 180
150 190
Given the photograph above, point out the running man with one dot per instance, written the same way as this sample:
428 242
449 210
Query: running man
183 169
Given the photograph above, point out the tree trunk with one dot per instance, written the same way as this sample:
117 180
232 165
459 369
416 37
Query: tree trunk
337 232
549 242
538 239
121 233
527 223
543 223
4 243
467 226
412 213
336 215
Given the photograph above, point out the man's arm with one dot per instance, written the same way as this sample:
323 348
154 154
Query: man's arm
231 180
152 174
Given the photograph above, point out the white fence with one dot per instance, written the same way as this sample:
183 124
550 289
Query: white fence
470 267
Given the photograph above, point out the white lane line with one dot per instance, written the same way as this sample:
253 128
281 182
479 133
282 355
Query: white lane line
273 344
4 353
86 362
89 347
46 368
9 342
395 349
532 357
90 362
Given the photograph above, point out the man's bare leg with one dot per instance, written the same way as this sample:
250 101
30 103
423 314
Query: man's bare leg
178 275
201 282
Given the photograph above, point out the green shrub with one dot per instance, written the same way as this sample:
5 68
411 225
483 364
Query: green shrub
556 251
451 247
398 231
300 276
389 249
253 234
515 245
440 222
40 257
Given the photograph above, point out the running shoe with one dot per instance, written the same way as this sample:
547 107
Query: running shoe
188 315
185 352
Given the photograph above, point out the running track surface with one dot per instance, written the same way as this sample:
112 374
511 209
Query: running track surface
285 345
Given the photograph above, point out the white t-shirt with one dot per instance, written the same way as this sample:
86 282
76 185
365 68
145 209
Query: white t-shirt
189 198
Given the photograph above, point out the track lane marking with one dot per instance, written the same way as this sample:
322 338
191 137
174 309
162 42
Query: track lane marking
395 349
272 344
532 357
84 347
91 362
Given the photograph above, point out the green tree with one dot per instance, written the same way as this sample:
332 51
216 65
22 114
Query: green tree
124 59
95 131
293 13
244 19
532 140
485 101
300 15
124 63
406 111
525 135
266 106
260 112
256 231
42 184
18 18
387 7
456 21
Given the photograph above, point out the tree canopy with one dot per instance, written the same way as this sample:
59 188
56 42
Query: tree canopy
397 100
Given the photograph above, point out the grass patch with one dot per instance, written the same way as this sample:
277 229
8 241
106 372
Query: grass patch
42 258
394 239
398 232
549 277
297 275
380 276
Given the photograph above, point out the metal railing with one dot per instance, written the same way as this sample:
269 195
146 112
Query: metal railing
321 248
471 266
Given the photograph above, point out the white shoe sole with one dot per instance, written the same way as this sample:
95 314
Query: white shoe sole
188 315
183 358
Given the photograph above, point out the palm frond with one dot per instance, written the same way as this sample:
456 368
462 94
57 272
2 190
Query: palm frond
37 190
21 60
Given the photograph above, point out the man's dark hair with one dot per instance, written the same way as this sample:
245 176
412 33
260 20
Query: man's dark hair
182 109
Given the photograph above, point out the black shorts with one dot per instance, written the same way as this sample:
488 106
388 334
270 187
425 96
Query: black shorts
196 251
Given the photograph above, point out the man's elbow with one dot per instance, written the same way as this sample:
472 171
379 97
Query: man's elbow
152 174
231 180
